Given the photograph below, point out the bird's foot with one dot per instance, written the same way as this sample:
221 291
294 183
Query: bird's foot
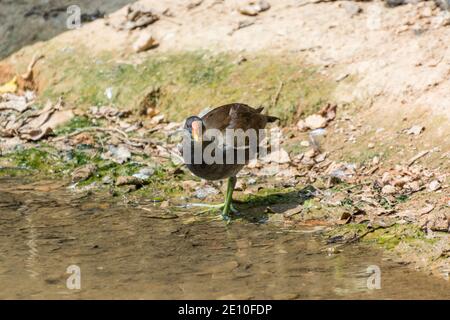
212 207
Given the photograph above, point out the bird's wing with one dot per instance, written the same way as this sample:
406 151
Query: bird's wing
220 118
246 118
236 116
247 122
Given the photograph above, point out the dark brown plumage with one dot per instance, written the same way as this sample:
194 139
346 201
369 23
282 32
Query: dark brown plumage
231 116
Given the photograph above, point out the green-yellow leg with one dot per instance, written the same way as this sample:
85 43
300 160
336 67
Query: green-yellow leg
228 198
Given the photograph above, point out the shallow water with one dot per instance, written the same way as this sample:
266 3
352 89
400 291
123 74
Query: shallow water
126 252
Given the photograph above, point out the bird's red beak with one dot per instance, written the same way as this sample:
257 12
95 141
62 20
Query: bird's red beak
196 130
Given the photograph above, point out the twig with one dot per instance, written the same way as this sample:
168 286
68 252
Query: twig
277 94
36 58
361 236
313 2
417 157
123 136
372 170
358 237
240 26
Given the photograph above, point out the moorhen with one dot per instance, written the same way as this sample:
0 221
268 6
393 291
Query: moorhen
229 158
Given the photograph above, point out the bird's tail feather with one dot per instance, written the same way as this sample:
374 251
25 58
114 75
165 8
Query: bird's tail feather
272 118
269 118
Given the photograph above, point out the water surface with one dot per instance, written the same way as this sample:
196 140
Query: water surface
126 252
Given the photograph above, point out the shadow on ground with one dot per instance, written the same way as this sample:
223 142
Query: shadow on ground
258 208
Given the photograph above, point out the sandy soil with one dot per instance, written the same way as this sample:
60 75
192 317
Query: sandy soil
397 56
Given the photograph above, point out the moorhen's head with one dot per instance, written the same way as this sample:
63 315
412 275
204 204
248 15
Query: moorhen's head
195 127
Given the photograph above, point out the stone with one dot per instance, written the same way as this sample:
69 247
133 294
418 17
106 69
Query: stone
400 182
434 186
276 218
144 42
375 160
128 180
301 125
157 119
119 154
83 173
414 186
144 173
352 8
288 173
386 178
321 157
164 204
107 180
438 222
278 156
202 193
415 130
252 8
388 189
240 185
305 143
83 138
315 121
310 153
444 21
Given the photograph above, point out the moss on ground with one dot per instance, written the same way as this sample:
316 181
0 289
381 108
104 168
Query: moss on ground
389 238
78 122
46 161
187 82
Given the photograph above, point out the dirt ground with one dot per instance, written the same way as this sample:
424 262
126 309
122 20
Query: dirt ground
397 59
398 56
